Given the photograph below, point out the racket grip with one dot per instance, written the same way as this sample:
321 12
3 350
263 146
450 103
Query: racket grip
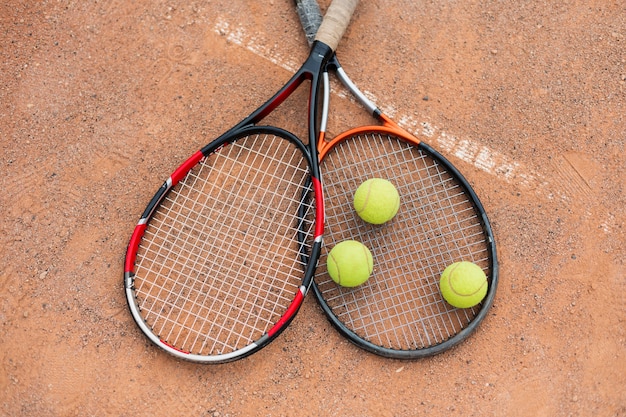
335 22
310 17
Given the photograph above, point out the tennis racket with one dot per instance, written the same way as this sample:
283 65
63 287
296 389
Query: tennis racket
399 311
221 259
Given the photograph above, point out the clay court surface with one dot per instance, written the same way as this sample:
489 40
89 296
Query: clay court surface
101 100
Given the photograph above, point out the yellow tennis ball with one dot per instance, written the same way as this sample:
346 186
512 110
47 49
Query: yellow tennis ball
350 263
376 201
463 284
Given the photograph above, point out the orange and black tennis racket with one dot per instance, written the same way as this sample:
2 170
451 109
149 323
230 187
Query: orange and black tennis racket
399 311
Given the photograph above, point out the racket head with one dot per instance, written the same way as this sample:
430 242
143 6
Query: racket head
219 263
399 312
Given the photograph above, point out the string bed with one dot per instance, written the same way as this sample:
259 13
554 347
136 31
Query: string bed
400 306
220 260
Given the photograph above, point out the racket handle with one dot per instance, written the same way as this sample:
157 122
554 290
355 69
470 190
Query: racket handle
310 16
335 22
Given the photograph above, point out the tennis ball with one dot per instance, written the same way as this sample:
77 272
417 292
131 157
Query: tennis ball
463 284
350 263
376 201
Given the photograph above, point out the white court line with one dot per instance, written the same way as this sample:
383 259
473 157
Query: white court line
467 150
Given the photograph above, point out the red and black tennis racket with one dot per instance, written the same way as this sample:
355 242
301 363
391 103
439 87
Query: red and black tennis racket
224 253
399 311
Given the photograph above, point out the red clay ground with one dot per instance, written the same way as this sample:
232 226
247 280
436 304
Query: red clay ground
101 100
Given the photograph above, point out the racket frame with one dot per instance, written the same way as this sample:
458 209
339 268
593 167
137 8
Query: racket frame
307 10
310 71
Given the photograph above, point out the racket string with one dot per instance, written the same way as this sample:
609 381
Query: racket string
400 306
220 259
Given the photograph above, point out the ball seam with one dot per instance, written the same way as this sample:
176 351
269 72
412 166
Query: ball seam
367 197
330 255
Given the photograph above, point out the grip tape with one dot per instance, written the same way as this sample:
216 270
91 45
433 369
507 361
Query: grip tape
335 22
310 16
